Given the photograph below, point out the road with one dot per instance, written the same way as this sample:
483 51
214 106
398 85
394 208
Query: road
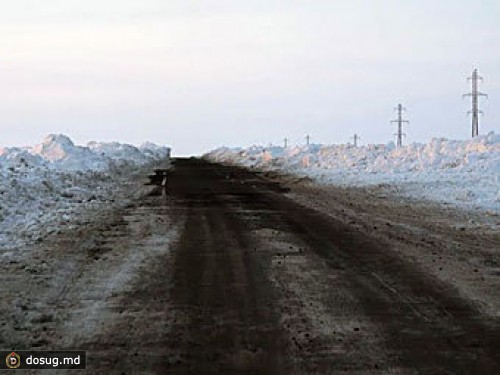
233 312
254 282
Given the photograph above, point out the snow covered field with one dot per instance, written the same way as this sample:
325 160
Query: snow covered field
464 173
44 187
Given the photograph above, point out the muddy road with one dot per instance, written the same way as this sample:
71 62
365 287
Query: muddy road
225 273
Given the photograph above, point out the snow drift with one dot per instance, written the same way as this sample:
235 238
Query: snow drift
465 173
42 187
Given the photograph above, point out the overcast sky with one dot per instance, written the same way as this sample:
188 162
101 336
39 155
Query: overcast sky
201 74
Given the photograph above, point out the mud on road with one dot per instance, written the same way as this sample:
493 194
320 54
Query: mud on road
226 273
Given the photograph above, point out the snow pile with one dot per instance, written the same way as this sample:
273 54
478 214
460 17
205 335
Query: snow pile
43 187
465 173
58 151
62 153
118 152
154 151
124 153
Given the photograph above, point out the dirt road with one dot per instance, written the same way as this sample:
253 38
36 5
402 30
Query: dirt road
227 274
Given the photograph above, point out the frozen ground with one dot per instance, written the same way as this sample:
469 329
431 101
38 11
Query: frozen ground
463 173
45 187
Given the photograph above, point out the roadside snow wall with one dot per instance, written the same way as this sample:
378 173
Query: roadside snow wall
43 187
464 173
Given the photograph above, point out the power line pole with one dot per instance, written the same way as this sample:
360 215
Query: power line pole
286 142
475 94
308 138
400 109
356 138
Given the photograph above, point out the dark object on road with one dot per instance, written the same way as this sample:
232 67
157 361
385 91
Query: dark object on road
160 177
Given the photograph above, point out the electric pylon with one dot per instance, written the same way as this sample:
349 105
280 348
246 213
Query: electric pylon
400 109
475 94
355 138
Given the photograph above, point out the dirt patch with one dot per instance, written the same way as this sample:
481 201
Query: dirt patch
323 321
457 246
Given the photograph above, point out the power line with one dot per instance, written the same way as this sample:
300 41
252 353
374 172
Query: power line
355 138
400 109
475 94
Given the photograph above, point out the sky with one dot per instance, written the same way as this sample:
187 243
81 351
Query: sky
196 75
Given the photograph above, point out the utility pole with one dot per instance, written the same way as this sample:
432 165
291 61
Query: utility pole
286 142
400 109
308 138
475 94
356 138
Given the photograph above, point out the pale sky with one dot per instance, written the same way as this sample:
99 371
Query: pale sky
200 74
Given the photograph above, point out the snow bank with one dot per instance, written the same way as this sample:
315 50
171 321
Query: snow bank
43 187
61 153
465 173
